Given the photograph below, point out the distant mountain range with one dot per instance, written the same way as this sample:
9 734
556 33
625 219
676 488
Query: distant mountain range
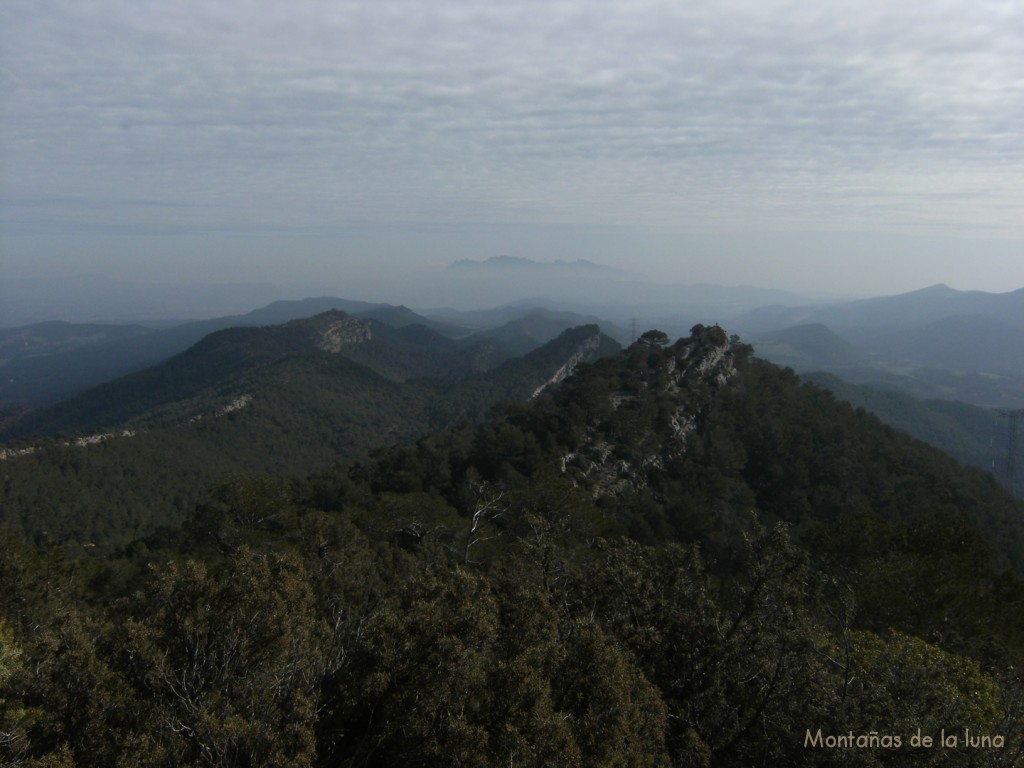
811 345
222 362
288 398
47 362
675 554
950 349
576 285
44 363
92 298
936 342
906 309
519 263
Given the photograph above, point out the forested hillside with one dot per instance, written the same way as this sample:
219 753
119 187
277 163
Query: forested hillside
215 363
680 555
139 452
975 436
50 362
935 343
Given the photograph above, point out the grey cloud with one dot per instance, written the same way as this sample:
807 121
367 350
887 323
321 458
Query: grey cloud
654 114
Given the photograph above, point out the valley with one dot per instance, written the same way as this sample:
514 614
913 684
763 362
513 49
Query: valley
385 506
511 385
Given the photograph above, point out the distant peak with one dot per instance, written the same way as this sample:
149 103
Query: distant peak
940 288
522 263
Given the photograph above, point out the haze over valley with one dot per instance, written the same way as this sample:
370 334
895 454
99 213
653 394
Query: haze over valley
934 344
505 384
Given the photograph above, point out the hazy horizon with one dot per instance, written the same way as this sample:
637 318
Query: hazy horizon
592 289
842 149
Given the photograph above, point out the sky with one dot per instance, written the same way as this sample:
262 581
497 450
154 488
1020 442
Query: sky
861 147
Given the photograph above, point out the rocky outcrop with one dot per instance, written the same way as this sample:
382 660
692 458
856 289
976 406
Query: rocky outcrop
342 333
237 404
78 442
585 353
683 377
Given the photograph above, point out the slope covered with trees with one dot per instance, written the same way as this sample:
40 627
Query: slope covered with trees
139 452
679 556
974 436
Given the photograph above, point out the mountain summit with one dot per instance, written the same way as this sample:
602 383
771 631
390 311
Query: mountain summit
682 440
522 264
668 558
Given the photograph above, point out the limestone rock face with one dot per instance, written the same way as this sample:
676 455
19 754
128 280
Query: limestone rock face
342 333
683 381
586 352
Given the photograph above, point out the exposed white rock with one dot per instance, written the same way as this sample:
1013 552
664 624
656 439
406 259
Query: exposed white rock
11 453
587 348
342 333
692 372
88 440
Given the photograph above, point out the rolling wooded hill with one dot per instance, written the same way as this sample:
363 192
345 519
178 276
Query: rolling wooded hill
935 343
137 453
679 555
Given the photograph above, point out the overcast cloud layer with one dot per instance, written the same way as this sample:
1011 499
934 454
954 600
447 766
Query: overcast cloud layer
866 146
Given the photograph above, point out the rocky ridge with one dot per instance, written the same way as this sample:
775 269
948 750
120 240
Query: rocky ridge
685 377
586 352
342 333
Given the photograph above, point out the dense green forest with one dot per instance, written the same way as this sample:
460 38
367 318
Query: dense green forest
249 400
975 436
679 556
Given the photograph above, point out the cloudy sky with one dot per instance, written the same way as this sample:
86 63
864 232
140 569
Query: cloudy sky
866 146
